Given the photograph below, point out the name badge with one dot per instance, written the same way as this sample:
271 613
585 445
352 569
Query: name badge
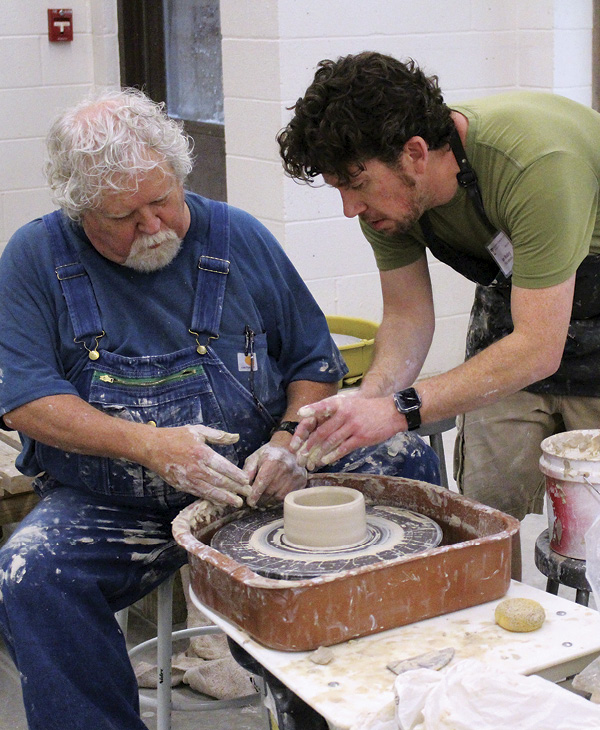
501 248
247 362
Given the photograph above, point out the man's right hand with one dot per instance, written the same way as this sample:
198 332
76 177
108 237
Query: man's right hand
181 457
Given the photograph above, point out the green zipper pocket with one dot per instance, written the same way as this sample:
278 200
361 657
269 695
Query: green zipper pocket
181 375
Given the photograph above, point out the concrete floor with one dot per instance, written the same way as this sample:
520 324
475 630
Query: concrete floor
12 716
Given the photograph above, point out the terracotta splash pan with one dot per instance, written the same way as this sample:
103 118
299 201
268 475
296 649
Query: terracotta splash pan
472 566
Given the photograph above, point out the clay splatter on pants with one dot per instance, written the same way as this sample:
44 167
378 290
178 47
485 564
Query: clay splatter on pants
403 455
71 564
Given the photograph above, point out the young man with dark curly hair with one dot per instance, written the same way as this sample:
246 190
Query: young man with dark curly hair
505 190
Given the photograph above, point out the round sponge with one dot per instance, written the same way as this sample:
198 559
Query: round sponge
519 614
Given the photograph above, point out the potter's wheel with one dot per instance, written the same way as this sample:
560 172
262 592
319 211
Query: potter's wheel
257 541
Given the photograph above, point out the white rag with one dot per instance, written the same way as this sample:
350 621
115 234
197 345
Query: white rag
472 695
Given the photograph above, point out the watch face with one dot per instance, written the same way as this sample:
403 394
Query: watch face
289 426
408 403
409 400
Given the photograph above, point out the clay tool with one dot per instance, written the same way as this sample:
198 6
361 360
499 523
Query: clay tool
431 660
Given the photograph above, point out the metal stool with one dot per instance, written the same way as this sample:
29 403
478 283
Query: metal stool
561 570
434 431
164 703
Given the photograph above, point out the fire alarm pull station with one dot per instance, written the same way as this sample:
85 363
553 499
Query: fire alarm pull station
60 24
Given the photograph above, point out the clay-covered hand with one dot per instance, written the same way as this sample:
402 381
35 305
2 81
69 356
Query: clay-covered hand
273 472
333 427
310 418
182 457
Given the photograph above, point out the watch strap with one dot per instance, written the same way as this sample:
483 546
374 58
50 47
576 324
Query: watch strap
289 426
413 419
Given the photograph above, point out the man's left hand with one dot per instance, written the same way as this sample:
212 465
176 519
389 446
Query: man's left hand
273 472
335 426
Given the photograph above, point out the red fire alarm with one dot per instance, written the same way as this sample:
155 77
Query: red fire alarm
60 24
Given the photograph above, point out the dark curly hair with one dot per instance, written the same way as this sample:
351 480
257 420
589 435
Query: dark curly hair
362 107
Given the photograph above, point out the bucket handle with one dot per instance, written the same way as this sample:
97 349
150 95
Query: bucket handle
592 487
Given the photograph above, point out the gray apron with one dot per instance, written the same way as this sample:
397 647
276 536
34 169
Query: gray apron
491 317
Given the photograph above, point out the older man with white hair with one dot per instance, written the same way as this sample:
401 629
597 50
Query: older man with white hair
155 348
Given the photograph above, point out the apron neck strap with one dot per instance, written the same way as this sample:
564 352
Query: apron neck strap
480 271
467 177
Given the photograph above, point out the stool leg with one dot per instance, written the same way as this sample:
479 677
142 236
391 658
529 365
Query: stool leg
122 617
437 444
582 597
164 653
552 586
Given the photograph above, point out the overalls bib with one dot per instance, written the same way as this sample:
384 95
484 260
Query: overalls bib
190 386
491 318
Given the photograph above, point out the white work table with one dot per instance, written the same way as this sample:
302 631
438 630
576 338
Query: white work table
357 682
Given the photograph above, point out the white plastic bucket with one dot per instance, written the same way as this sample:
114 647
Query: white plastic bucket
570 462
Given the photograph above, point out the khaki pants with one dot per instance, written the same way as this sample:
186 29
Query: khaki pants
497 452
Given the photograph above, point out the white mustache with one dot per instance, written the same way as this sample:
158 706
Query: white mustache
145 240
153 252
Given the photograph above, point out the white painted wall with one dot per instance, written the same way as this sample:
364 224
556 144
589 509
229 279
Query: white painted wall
37 79
270 50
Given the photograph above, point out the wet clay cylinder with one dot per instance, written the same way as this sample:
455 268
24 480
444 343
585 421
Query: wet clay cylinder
325 517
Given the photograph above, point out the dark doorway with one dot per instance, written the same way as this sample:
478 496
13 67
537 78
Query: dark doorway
172 50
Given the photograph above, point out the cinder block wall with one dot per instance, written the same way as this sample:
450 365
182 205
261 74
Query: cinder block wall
37 79
270 50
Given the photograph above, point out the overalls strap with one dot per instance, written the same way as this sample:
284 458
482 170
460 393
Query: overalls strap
75 283
213 267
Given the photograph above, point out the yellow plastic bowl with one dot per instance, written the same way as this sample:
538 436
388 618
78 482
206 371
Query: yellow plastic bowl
357 355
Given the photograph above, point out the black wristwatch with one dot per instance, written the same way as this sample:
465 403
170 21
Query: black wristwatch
289 426
408 403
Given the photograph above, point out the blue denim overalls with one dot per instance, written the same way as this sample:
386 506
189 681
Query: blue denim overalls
189 386
101 538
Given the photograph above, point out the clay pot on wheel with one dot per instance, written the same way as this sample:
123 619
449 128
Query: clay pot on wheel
325 517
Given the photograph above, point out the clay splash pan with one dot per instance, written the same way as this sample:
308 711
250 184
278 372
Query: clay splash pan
471 566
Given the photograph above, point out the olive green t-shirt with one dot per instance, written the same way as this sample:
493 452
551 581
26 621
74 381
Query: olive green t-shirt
537 159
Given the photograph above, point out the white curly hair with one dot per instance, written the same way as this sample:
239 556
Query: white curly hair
105 142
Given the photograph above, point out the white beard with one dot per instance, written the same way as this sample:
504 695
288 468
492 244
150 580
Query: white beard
146 259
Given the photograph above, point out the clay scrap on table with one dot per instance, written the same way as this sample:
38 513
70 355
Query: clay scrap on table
431 660
588 680
323 655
